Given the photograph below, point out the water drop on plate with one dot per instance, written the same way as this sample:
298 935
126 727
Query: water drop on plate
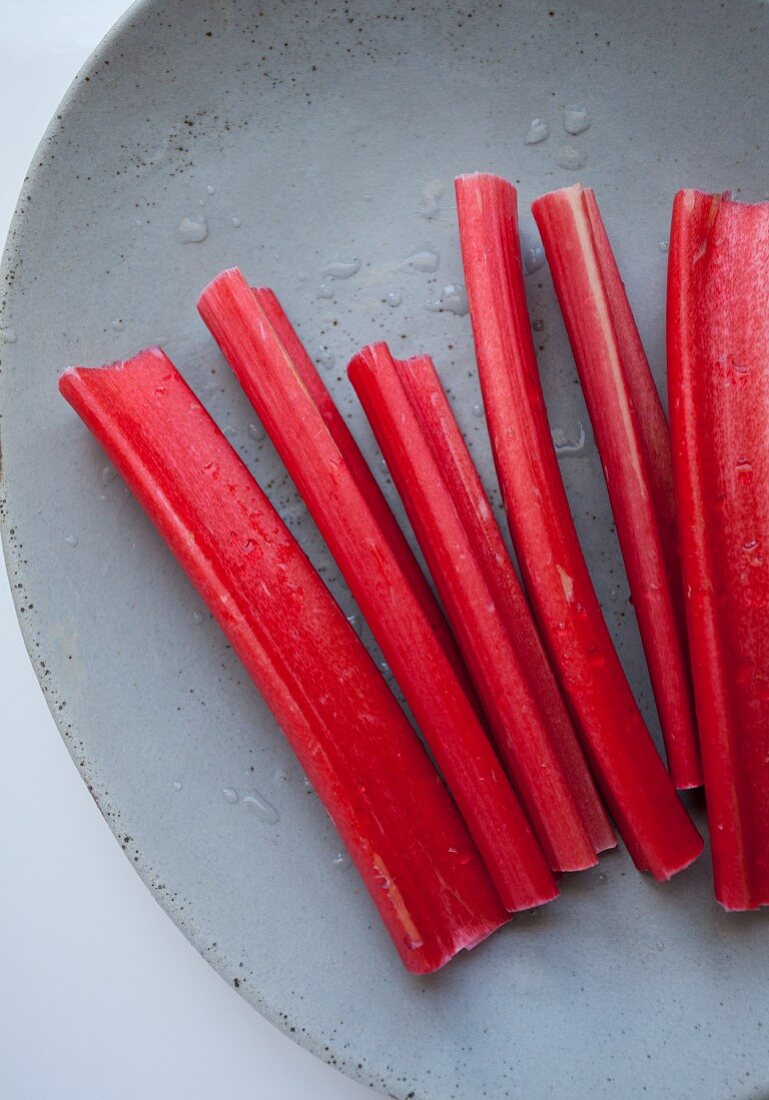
452 299
663 246
325 358
230 795
325 291
533 259
340 269
571 158
108 475
477 410
538 130
576 119
71 540
198 617
210 189
8 335
193 230
177 785
235 221
565 446
256 431
393 298
118 324
429 204
426 258
341 861
264 810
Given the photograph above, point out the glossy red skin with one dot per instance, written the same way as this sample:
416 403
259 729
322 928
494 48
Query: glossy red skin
463 547
376 578
625 763
365 480
392 811
633 441
718 377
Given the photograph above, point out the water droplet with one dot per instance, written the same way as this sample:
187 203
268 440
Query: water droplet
108 475
256 431
393 298
118 324
177 784
429 204
477 410
571 158
660 945
533 258
602 877
265 811
325 358
426 258
340 269
249 545
385 669
356 622
663 246
193 230
138 221
741 368
235 221
230 795
613 595
301 276
538 325
565 446
412 943
210 188
576 119
198 617
8 335
342 861
325 291
452 299
751 544
71 540
308 785
538 130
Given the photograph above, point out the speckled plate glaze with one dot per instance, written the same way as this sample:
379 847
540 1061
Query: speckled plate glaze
204 134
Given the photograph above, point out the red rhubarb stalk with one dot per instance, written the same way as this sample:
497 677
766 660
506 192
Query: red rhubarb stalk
631 776
718 377
383 591
365 480
365 762
466 556
634 444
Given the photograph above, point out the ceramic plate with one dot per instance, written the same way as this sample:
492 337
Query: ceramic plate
314 146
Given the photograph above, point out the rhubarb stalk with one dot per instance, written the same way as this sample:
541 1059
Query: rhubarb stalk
366 482
465 553
718 377
634 444
631 776
392 811
374 572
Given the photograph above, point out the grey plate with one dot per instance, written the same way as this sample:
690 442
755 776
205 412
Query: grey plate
323 130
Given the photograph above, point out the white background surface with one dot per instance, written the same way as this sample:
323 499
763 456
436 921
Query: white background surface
100 995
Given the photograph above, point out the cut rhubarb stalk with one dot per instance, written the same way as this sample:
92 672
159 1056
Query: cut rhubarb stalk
634 444
365 762
382 589
450 514
628 769
365 480
718 377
